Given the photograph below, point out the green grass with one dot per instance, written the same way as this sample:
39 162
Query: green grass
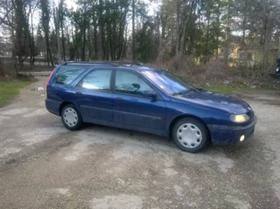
225 89
10 88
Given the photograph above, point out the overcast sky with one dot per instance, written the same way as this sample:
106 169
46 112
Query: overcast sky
69 3
153 6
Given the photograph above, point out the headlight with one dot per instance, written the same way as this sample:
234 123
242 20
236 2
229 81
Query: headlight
277 69
242 118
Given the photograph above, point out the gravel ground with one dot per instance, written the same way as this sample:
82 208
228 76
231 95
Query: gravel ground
42 165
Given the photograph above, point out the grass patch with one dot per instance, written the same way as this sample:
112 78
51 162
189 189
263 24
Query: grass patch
10 88
225 89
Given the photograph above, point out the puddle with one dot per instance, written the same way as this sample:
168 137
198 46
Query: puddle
223 163
129 150
2 118
7 151
35 113
37 135
237 204
16 111
179 190
78 150
60 191
122 201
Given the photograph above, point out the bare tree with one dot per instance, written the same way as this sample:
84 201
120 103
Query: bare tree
45 19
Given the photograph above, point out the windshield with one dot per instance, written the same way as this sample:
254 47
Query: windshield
168 82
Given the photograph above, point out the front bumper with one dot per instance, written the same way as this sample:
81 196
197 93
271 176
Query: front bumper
227 135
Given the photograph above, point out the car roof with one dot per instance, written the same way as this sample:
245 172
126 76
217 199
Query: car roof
135 66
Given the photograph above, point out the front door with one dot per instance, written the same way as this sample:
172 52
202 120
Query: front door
137 106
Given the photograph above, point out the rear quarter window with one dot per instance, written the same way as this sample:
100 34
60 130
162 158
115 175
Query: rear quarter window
67 74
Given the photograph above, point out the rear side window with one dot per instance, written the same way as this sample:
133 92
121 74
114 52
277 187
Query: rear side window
67 74
97 80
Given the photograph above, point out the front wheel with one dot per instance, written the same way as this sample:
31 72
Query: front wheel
71 118
190 135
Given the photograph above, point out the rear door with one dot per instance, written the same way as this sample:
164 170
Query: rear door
95 98
137 105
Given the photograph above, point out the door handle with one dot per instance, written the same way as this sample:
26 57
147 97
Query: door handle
78 93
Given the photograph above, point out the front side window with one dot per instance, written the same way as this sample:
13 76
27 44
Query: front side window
97 80
129 82
168 82
67 74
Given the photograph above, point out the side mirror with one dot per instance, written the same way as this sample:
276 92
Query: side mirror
136 86
153 96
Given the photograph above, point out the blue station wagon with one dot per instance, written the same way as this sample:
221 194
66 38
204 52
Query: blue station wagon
146 99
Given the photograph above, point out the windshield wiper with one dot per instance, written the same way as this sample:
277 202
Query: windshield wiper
180 92
188 90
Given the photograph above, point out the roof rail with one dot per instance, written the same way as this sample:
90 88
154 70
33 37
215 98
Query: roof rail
128 63
105 62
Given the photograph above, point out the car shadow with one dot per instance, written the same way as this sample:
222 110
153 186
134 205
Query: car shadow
164 143
132 135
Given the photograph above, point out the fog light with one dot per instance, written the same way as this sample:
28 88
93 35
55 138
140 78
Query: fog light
242 138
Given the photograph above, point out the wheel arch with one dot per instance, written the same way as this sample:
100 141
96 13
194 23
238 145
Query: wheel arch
175 120
64 104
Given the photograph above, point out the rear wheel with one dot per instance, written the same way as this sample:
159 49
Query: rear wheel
190 135
71 118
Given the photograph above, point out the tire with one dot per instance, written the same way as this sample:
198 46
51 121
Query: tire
71 118
190 135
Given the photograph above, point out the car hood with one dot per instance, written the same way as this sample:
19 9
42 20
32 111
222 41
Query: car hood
218 101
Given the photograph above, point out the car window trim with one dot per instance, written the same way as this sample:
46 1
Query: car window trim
78 85
127 93
72 83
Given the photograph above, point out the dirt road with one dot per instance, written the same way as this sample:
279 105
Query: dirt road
42 165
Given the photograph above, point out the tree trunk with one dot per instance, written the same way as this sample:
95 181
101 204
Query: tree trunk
133 31
62 39
227 37
19 48
83 56
96 56
178 26
56 25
